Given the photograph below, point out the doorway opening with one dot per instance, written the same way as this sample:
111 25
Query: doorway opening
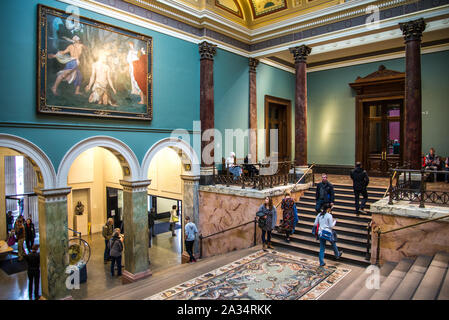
278 117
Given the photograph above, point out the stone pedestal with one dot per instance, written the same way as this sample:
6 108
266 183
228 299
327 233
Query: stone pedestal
412 31
53 239
425 239
81 224
206 175
135 218
300 55
190 204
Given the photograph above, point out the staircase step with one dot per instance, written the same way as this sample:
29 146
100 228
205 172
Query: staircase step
310 212
310 249
354 287
408 286
341 237
350 191
366 293
341 200
430 285
344 222
350 187
444 292
336 208
344 197
310 240
338 228
393 280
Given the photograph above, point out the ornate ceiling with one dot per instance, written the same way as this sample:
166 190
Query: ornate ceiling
251 14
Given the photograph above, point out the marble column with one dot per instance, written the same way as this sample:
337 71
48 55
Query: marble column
300 55
53 240
10 181
412 31
207 52
252 111
190 205
135 219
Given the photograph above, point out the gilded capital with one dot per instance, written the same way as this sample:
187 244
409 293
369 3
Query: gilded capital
253 64
412 30
207 50
300 53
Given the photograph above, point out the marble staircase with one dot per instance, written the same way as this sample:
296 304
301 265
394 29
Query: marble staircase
352 230
423 278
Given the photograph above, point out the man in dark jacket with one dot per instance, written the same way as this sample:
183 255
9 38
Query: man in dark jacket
30 234
360 182
151 218
324 193
33 263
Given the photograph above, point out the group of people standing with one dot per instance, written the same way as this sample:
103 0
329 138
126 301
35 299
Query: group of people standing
324 223
113 246
23 232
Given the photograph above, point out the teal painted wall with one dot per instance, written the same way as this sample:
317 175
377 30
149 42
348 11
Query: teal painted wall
277 83
176 75
331 108
231 99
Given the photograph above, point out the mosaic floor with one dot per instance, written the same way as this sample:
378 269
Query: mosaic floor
261 276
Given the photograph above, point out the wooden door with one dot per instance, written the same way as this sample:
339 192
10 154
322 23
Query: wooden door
383 135
277 120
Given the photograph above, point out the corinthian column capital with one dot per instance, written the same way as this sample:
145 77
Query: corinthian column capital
300 53
412 30
207 50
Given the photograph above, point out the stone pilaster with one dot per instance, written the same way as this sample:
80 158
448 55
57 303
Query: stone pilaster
300 55
252 110
190 204
207 52
412 32
135 219
53 240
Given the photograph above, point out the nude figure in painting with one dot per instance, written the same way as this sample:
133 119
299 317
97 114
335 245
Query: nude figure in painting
99 81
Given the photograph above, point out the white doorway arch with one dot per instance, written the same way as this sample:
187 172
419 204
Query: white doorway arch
124 154
188 156
43 165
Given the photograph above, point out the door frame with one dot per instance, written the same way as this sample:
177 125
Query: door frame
381 85
365 137
288 105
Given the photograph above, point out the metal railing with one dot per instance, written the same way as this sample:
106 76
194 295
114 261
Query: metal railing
223 231
283 176
380 232
413 190
76 232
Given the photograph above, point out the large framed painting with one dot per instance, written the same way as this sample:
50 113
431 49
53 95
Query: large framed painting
90 68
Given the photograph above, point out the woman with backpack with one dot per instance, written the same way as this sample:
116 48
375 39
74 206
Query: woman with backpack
325 223
267 221
116 245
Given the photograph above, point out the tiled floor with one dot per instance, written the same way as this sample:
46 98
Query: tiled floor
165 252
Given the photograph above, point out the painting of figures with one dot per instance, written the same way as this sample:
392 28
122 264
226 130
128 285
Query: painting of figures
90 68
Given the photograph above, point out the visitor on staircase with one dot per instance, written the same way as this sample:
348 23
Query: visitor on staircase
360 183
267 221
288 215
324 193
325 223
190 232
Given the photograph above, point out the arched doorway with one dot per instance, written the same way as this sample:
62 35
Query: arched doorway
173 166
41 173
94 168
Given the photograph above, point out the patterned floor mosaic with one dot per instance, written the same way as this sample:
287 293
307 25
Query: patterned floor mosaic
260 276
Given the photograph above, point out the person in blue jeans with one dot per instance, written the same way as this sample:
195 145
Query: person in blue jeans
190 232
326 222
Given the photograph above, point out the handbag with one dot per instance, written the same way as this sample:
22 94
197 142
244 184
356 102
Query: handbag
326 235
11 240
315 230
262 222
